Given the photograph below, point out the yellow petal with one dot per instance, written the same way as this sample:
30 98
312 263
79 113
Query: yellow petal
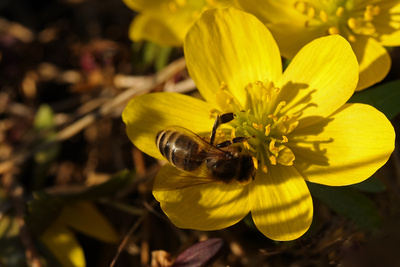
271 11
319 80
290 34
346 148
158 30
281 204
374 61
148 114
201 204
228 45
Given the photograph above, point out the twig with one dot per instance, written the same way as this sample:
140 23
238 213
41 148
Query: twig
129 234
143 85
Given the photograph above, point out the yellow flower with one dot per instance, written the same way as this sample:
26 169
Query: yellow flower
298 125
368 26
166 22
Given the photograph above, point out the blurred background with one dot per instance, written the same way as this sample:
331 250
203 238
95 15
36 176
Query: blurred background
73 187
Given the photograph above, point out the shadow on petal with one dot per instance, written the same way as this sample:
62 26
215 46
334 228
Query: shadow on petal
281 204
198 202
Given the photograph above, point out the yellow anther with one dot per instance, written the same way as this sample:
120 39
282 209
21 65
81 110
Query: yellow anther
264 169
272 159
247 146
273 117
285 118
333 30
376 10
229 101
352 38
267 129
259 83
323 16
300 6
172 7
255 162
284 139
249 86
211 2
223 86
274 150
213 113
368 16
257 126
339 11
310 12
352 22
181 2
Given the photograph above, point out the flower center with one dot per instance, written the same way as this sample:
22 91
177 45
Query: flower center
341 17
262 121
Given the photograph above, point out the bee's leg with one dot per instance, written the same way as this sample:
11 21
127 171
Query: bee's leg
230 142
224 118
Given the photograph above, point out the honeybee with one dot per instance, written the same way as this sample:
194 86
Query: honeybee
223 162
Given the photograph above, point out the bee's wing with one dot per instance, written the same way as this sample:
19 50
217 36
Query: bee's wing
171 178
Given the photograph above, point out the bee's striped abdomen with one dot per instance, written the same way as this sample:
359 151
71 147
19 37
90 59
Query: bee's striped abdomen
180 149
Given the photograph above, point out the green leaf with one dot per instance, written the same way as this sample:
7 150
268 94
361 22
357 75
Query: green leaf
84 217
61 242
371 185
162 58
349 203
385 97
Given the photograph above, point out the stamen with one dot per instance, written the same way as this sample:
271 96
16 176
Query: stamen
333 30
211 2
213 113
368 16
255 162
172 7
272 159
223 86
311 12
267 129
274 150
376 10
284 139
323 16
257 126
273 117
279 107
352 38
300 6
339 11
181 2
264 169
352 22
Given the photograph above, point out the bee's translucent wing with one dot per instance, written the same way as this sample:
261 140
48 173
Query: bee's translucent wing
171 178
